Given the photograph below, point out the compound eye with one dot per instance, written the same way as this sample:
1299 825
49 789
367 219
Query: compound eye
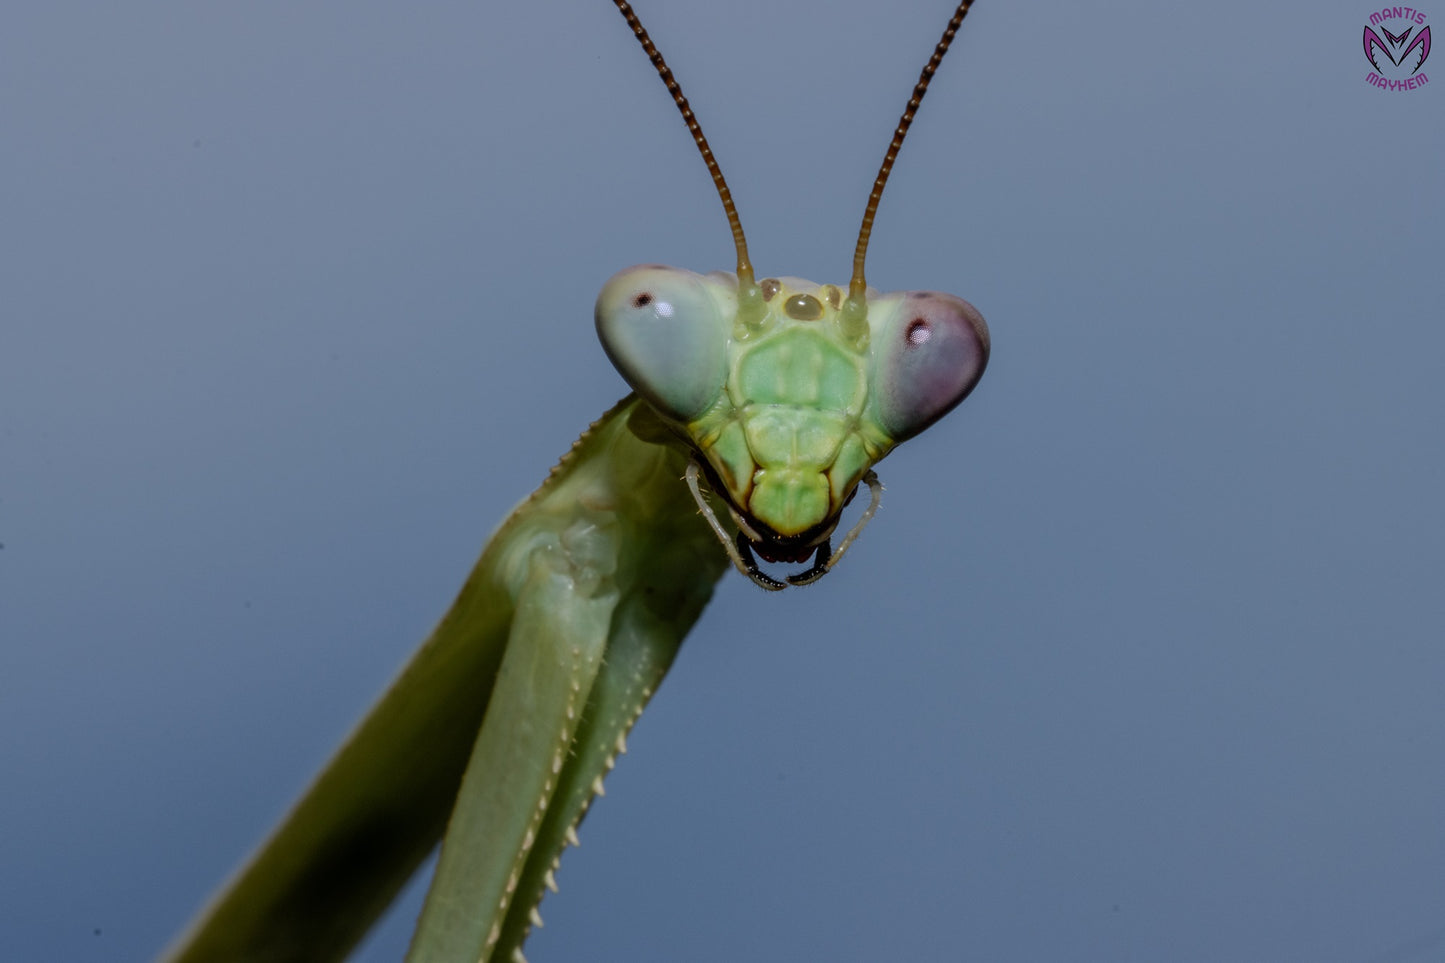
664 331
929 350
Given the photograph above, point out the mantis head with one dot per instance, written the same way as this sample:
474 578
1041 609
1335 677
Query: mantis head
788 412
788 392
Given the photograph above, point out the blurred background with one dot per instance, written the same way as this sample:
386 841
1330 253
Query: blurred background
1141 660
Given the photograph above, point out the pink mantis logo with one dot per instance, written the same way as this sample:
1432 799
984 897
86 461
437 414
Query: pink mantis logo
1397 58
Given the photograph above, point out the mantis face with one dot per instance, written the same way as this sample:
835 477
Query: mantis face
789 391
789 401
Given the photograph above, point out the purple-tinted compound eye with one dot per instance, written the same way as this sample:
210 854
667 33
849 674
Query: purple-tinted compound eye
664 332
929 350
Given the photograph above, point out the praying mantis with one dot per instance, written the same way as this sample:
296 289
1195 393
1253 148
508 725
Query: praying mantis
758 410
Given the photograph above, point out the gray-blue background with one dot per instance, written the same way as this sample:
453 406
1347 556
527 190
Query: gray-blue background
1142 659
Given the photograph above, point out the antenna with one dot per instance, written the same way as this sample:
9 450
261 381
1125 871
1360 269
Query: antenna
855 308
750 297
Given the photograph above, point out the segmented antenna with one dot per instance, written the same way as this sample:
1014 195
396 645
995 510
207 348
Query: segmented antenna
855 308
749 295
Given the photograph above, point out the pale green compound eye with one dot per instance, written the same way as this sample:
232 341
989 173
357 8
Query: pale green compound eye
929 350
665 334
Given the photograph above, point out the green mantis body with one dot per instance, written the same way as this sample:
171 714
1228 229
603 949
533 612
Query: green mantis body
777 397
607 555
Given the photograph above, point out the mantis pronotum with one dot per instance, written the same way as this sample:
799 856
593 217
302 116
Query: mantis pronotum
772 398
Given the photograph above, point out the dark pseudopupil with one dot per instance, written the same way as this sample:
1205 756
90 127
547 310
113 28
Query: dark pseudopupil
918 332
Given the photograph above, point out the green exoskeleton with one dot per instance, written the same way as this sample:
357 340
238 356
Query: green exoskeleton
772 398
